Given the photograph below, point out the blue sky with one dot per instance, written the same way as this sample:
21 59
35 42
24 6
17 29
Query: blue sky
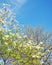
33 12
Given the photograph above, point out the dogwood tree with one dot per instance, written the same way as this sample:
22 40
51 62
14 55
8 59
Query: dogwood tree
15 46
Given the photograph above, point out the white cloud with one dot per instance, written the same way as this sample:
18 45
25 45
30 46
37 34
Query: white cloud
17 4
21 1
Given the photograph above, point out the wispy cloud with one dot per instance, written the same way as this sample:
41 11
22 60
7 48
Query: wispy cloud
21 2
17 4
